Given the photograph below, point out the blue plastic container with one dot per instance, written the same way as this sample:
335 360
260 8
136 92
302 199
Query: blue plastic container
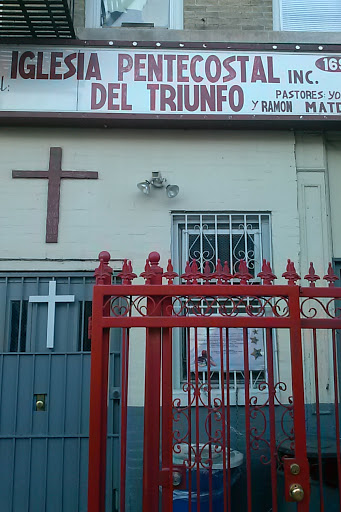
181 498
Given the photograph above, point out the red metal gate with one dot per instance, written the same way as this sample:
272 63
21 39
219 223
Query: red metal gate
189 460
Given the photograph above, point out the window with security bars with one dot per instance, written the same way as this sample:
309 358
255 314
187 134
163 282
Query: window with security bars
207 238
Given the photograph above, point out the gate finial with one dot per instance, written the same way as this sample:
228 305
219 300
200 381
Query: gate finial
187 275
291 275
147 274
331 277
312 276
266 274
196 274
243 274
127 274
170 275
218 274
207 276
156 270
227 276
103 272
192 273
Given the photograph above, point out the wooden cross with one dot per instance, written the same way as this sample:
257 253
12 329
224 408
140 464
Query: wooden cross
54 176
51 300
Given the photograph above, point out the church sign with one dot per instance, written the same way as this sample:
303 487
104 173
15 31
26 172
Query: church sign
180 84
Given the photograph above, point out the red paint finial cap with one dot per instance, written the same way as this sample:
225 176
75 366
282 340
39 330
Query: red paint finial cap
104 256
154 258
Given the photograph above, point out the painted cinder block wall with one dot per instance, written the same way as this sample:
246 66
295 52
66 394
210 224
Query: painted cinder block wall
275 172
216 171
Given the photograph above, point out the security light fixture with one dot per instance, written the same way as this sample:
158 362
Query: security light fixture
157 181
172 190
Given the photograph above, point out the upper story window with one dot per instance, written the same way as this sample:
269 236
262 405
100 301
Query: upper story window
132 13
307 15
118 12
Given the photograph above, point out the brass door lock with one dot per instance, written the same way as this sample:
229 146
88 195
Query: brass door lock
296 492
295 469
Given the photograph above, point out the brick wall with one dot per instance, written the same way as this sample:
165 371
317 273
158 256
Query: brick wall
229 14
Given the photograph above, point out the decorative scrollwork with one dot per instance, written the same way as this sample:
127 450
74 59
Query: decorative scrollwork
314 307
198 453
231 306
199 306
258 440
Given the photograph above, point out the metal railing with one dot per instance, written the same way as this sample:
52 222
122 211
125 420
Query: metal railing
37 19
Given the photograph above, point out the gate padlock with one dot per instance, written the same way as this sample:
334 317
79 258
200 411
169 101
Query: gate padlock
296 492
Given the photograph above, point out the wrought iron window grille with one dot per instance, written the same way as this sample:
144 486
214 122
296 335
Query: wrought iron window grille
206 238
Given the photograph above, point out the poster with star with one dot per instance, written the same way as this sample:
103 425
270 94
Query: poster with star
236 349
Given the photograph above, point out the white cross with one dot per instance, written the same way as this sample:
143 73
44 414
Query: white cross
51 300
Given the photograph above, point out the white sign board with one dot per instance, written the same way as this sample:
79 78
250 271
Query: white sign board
217 337
174 83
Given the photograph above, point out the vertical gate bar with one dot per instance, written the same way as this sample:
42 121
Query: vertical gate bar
272 393
167 423
260 239
151 435
245 241
124 415
318 420
337 416
209 404
215 241
201 260
189 402
98 405
223 425
228 419
197 418
247 417
296 358
231 247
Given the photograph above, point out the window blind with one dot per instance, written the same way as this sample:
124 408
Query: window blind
311 15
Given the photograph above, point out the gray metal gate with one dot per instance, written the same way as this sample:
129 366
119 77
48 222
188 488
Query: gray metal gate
44 397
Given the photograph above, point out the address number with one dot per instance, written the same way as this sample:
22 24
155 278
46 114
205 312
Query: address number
332 64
